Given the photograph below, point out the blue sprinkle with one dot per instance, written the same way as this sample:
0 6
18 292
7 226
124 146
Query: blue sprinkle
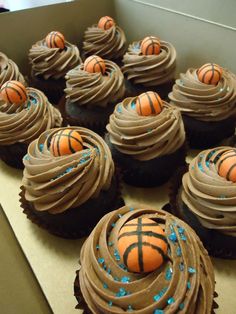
191 270
157 311
109 271
105 267
110 243
101 260
121 293
119 109
178 251
82 160
133 105
181 306
131 209
171 301
183 237
28 105
116 279
110 303
168 275
158 296
123 267
208 164
200 167
119 215
173 237
69 169
188 285
33 100
181 266
105 286
125 279
222 196
41 147
117 257
97 247
113 225
181 230
129 309
26 157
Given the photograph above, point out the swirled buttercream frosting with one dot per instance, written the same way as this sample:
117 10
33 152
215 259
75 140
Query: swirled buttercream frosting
202 101
55 184
145 137
97 89
149 70
185 282
210 197
53 63
9 70
109 44
25 122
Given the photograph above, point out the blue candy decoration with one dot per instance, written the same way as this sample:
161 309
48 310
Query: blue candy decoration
110 303
168 274
121 293
191 270
181 306
173 237
157 311
101 260
188 285
171 301
125 279
178 251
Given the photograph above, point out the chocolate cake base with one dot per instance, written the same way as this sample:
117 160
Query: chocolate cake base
13 154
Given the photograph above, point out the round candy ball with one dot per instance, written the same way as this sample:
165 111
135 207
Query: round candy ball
209 73
227 165
142 245
13 92
106 22
55 40
94 64
149 103
150 46
65 142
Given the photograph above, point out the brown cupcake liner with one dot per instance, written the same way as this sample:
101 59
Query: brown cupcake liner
82 230
13 154
217 244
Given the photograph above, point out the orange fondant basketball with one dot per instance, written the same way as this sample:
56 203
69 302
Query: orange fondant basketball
13 92
150 46
106 22
55 40
148 103
209 73
142 245
227 165
66 142
94 64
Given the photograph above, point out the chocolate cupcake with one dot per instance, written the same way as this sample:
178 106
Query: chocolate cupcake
208 107
51 58
25 113
147 139
205 197
9 70
69 181
105 39
149 64
183 279
92 91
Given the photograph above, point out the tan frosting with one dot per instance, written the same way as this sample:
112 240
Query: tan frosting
53 62
202 101
109 44
9 70
208 195
25 122
186 279
56 184
150 70
145 137
94 88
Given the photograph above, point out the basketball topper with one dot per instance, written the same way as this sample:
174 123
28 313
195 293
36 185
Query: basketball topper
95 64
106 22
227 165
55 40
13 92
65 142
149 103
142 245
150 46
209 73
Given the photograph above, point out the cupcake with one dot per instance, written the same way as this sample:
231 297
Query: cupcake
25 113
69 181
147 139
92 90
9 70
206 98
105 39
149 64
143 260
51 58
205 197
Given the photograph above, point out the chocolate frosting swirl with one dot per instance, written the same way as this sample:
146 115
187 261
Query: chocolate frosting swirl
202 101
9 70
150 70
210 197
184 282
55 184
25 122
145 137
53 62
109 44
95 88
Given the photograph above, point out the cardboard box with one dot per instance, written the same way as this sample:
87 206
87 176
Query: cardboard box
197 41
